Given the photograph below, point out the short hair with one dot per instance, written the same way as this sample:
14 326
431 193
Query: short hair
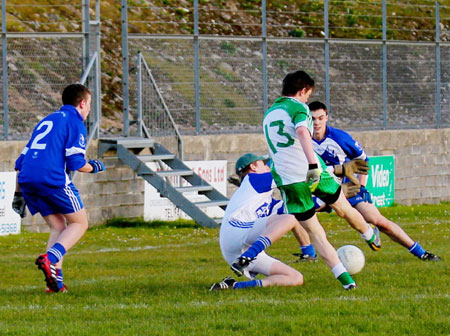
73 94
296 81
317 105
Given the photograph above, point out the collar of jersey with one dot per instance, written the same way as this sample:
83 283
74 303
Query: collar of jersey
71 108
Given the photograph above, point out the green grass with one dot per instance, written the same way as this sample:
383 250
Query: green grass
153 279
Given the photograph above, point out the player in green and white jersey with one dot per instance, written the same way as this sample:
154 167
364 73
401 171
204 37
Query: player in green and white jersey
299 171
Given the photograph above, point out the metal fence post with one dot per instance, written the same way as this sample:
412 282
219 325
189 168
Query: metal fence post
264 52
327 57
438 68
98 70
196 69
86 32
139 92
125 67
5 72
384 65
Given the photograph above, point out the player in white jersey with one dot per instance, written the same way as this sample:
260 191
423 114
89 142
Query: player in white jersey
57 145
253 220
336 147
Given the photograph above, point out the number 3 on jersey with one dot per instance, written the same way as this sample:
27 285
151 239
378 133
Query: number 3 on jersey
48 127
280 125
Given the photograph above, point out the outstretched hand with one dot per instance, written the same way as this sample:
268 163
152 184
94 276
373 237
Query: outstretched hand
313 177
352 167
18 204
350 189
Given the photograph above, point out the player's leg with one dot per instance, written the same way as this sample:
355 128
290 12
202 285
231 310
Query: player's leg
344 209
264 232
372 215
325 249
308 253
57 225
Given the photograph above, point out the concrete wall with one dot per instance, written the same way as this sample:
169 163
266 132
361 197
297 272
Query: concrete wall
422 168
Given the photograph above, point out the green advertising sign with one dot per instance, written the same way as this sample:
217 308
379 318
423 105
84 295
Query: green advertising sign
381 180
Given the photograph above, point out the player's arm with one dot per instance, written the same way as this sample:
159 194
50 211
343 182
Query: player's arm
313 174
93 166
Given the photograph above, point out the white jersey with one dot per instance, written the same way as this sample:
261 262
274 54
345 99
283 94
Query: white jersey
252 200
281 120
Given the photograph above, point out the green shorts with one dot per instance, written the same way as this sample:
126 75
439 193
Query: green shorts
298 198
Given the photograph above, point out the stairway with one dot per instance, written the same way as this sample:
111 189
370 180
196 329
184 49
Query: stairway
128 150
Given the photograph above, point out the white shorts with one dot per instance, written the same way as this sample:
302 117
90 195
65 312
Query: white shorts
236 240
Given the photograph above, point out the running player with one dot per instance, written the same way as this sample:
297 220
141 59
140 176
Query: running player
57 145
299 172
336 147
254 220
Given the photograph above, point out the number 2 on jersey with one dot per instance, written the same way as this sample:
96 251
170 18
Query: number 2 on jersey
280 125
48 127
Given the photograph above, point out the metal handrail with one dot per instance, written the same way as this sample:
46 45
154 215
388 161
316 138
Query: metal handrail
141 61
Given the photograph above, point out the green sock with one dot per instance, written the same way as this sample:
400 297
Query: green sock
346 279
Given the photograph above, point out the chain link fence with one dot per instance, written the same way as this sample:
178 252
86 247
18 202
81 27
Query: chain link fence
39 58
393 72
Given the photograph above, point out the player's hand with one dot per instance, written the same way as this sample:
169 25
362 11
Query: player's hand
350 189
97 166
352 167
313 176
234 180
18 204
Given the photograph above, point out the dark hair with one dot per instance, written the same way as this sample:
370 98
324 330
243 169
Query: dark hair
73 94
317 105
296 81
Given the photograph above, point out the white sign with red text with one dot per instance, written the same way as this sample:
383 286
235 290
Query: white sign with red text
157 207
9 219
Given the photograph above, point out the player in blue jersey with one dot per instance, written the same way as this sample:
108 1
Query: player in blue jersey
57 146
336 147
253 220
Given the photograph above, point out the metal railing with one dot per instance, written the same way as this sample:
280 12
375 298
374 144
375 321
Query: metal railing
153 116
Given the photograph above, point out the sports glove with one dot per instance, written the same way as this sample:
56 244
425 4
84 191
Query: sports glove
234 180
313 176
350 189
97 165
18 204
352 167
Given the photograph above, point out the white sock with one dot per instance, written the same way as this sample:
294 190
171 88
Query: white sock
368 234
338 270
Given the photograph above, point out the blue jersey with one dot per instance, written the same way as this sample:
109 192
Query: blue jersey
338 147
57 145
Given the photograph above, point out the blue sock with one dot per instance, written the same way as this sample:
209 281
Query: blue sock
248 284
59 278
417 250
56 253
309 250
259 245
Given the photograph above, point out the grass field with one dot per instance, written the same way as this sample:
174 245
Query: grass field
154 280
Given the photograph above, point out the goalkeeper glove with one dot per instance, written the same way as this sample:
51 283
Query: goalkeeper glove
352 167
18 204
313 176
350 190
97 166
234 180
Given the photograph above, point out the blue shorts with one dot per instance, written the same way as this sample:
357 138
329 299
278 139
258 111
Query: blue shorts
63 201
362 196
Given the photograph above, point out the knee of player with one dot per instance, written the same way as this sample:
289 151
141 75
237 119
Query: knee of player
297 279
340 211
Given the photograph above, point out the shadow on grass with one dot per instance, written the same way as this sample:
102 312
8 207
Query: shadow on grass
120 222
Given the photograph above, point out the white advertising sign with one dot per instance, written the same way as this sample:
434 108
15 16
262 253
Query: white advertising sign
9 219
157 207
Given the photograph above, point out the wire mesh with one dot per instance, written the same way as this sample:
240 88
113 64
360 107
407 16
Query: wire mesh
38 71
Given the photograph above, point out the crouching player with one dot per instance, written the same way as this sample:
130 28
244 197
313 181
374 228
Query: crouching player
57 145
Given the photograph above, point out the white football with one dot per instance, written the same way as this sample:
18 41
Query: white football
352 257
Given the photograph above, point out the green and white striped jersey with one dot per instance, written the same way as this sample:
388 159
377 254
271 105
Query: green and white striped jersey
280 121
